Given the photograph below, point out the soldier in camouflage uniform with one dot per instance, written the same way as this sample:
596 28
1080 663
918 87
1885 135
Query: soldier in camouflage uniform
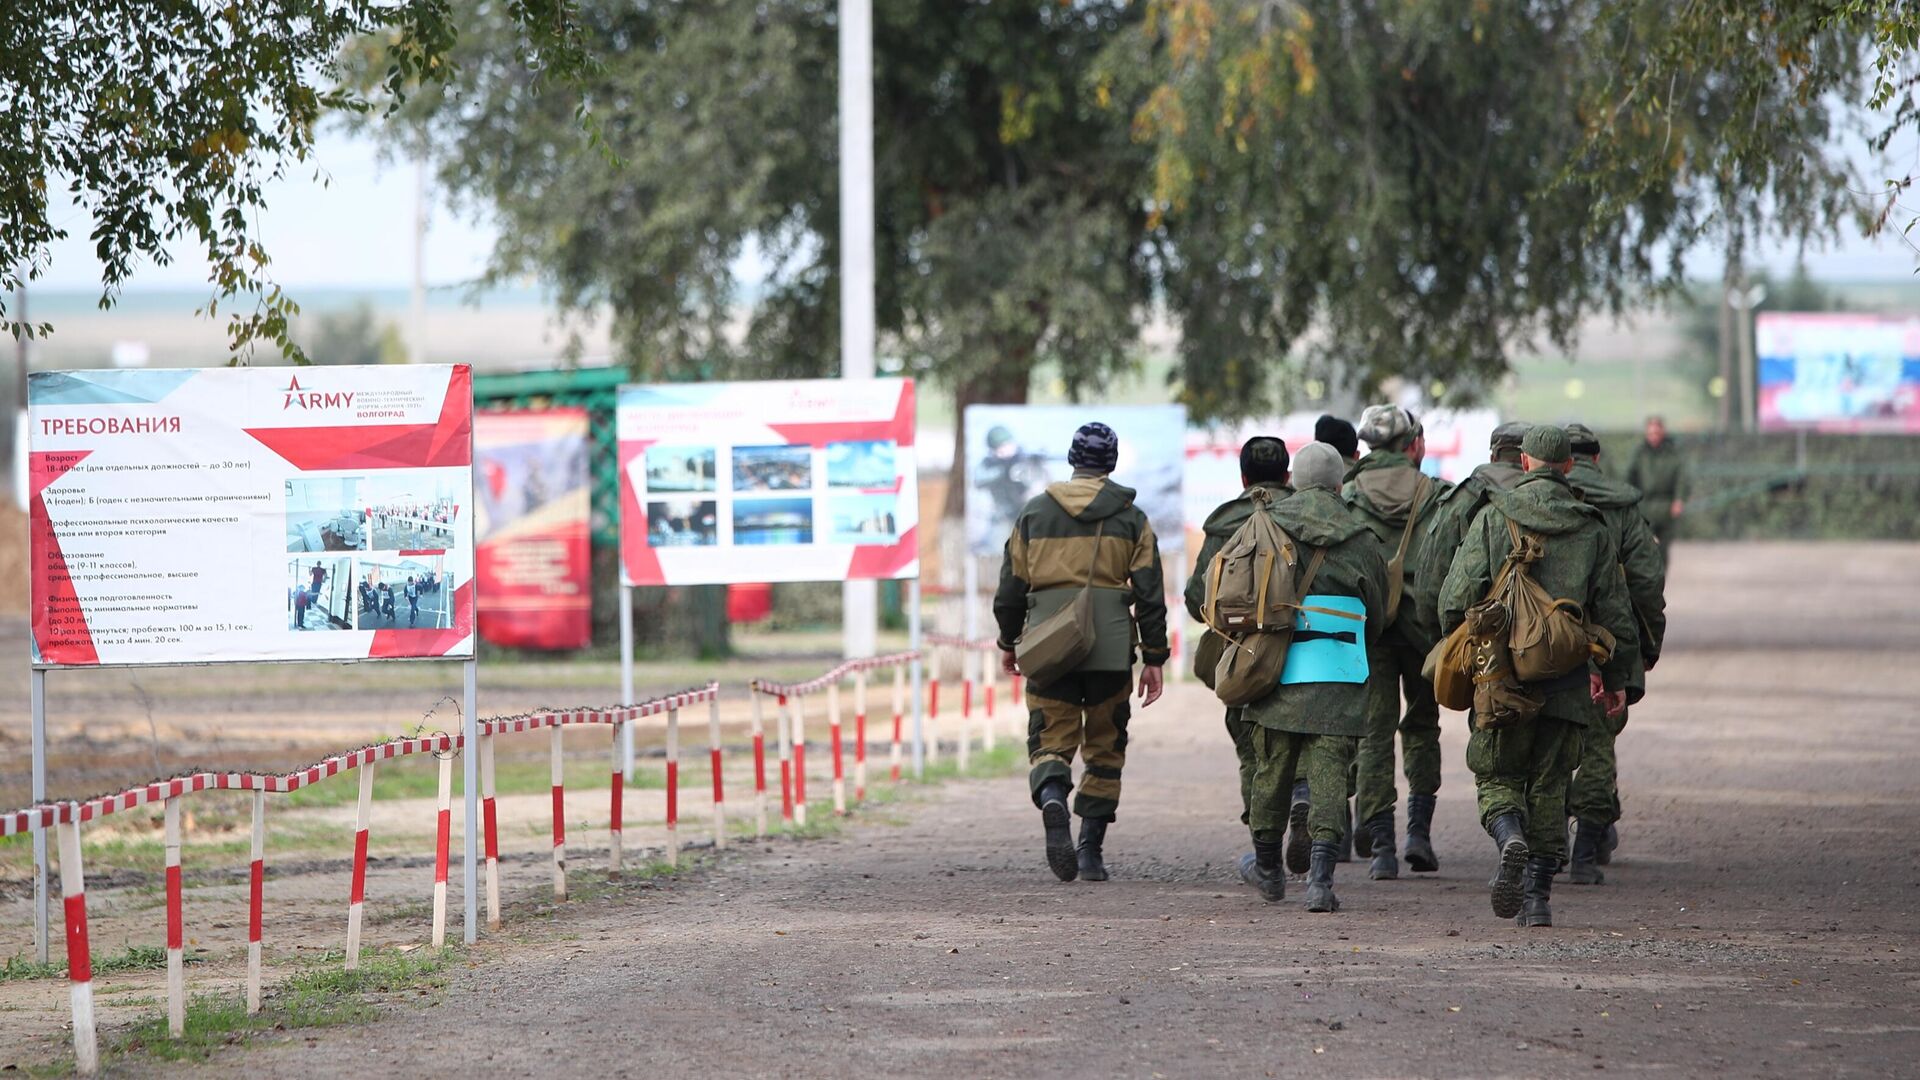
1594 800
1313 728
1394 498
1086 521
1263 464
1522 772
1452 514
1660 473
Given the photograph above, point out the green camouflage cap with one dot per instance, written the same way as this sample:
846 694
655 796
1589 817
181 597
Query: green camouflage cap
1508 435
1547 444
1384 426
1582 439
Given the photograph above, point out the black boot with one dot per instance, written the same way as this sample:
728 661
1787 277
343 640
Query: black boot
1358 839
1607 843
1420 856
1539 889
1380 828
1268 875
1053 815
1585 869
1510 836
1299 844
1093 831
1320 878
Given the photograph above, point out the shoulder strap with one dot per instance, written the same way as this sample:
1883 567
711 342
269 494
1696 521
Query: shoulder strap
1313 567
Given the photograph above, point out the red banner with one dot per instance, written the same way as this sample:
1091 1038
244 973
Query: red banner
534 566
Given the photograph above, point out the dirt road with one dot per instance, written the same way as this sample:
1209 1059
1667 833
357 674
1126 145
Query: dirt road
1758 920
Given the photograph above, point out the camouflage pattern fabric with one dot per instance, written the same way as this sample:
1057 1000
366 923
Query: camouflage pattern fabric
1280 758
1085 713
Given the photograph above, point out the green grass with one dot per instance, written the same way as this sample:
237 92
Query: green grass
511 777
132 958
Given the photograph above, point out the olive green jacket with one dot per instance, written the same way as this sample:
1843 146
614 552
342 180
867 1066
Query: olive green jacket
1580 564
1225 520
1381 488
1046 562
1661 476
1641 566
1352 567
1444 528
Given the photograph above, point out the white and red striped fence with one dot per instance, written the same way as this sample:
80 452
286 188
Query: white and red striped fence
67 818
971 657
791 737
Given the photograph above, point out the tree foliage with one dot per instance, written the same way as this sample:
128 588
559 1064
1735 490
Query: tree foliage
167 119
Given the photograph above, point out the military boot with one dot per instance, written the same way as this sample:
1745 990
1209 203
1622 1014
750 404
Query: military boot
1093 832
1358 840
1585 868
1344 846
1607 843
1510 836
1299 844
1059 825
1270 877
1420 856
1385 866
1320 877
1539 890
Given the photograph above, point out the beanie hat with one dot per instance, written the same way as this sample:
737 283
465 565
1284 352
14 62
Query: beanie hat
1338 434
1095 447
1582 440
1318 465
1263 457
1547 445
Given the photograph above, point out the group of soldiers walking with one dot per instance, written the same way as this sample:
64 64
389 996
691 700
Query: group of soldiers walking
1405 556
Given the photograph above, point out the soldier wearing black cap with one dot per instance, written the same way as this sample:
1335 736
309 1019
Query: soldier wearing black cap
1594 800
1085 522
1522 771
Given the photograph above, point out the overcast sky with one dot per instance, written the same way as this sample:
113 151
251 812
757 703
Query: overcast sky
356 230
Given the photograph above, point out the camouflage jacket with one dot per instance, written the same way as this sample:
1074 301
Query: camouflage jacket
1225 520
1445 528
1641 567
1352 567
1047 557
1380 489
1581 564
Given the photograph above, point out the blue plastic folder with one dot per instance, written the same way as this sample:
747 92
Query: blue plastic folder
1328 648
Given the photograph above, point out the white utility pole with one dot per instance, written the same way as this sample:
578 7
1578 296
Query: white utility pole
860 607
1743 302
417 321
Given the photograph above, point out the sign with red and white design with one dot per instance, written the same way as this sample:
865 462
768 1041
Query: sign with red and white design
245 514
533 506
813 480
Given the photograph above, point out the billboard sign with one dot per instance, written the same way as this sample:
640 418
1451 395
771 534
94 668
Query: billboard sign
250 514
532 511
806 480
1838 372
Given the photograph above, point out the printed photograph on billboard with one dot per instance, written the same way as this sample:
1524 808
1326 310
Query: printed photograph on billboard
1838 372
534 507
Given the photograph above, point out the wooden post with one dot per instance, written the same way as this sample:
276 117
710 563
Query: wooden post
899 713
798 715
966 706
933 704
442 842
860 736
176 926
73 887
719 788
256 900
833 732
615 810
786 760
356 899
558 771
759 767
673 787
491 820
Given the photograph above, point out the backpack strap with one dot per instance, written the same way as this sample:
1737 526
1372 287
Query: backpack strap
1306 582
1397 566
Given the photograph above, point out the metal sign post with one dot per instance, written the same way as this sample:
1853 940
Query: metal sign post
626 668
913 643
38 693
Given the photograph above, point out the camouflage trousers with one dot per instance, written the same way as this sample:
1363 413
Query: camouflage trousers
1240 730
1526 770
1394 665
1086 713
1281 757
1595 795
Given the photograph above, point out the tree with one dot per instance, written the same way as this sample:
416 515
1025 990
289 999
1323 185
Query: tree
354 335
1010 229
168 118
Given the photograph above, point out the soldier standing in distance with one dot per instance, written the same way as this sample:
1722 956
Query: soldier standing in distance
1660 472
1394 498
1085 521
1522 772
1594 800
1263 464
1312 728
